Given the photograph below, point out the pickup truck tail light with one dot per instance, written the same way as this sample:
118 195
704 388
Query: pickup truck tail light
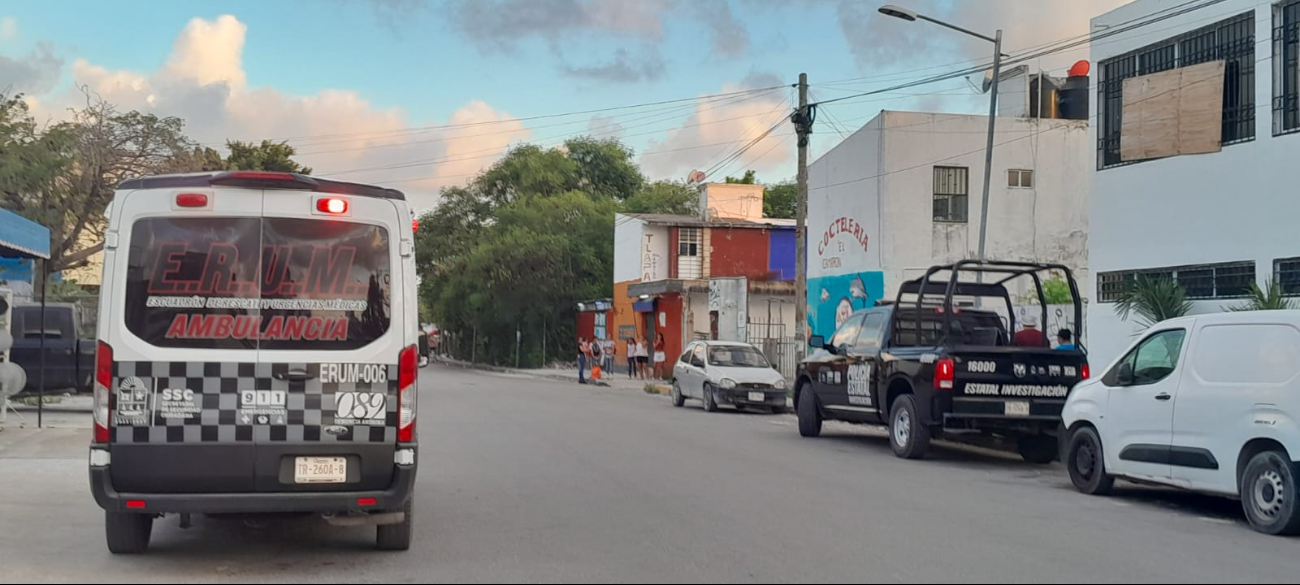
408 368
103 381
945 374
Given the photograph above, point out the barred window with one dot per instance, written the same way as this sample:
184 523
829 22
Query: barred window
1203 281
1286 68
951 193
1231 40
1286 273
690 263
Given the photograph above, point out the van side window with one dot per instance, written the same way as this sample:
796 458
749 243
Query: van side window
1152 361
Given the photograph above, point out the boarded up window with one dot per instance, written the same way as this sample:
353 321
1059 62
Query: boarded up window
1173 112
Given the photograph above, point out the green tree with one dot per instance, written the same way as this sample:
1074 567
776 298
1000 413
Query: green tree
747 179
1153 300
605 167
1269 298
669 197
267 156
781 200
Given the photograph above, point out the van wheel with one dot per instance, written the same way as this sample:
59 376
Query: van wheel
810 419
1268 494
1037 449
678 400
710 403
127 534
909 438
397 536
1086 464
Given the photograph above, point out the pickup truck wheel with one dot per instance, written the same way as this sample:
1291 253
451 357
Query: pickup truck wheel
810 419
1037 449
397 536
127 534
909 438
1268 494
678 400
1086 464
710 403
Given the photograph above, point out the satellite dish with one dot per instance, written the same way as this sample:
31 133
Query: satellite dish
696 177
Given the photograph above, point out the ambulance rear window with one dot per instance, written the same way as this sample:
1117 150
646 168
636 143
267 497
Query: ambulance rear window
253 283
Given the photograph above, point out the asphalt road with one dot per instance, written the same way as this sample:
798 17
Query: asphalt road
524 480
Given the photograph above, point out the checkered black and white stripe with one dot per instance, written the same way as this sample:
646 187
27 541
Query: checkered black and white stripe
310 404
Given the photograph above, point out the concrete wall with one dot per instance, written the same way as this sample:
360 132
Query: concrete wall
781 253
722 201
627 247
1236 205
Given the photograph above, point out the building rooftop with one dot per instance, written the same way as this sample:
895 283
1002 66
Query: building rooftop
693 221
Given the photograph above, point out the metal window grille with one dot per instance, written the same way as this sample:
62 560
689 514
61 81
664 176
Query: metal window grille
1232 40
951 193
1286 273
1203 281
690 264
1286 68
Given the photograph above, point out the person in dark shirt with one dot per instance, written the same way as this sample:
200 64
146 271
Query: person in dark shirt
1031 336
1065 340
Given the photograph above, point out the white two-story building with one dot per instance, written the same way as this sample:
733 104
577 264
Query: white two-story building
1197 138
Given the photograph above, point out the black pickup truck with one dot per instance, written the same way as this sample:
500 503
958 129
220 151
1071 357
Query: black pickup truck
69 360
937 364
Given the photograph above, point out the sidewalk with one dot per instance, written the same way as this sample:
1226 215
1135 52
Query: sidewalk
81 403
616 379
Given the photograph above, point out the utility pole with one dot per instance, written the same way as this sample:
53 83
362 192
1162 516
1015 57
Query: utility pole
803 120
988 151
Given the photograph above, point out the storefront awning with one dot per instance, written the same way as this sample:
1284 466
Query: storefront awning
23 238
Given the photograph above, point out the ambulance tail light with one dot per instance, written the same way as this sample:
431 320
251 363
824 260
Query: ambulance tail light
103 381
332 205
945 374
1086 371
408 368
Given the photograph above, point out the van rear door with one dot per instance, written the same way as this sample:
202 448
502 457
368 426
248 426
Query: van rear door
334 325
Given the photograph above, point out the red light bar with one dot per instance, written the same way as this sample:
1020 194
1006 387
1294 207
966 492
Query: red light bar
262 175
135 504
332 205
191 200
366 502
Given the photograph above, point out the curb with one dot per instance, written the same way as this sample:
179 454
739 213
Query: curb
663 389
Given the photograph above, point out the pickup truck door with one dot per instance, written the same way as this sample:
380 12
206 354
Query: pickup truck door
863 371
833 375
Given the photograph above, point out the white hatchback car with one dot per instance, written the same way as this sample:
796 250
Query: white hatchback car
722 372
1206 403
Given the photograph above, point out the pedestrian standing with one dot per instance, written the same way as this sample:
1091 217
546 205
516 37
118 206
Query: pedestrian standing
642 360
610 349
661 356
584 349
631 358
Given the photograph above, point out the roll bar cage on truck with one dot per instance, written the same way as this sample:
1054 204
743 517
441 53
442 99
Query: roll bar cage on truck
935 363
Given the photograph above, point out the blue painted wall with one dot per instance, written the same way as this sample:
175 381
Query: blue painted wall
781 252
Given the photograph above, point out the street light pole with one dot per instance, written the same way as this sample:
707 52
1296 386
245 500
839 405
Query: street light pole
988 151
913 16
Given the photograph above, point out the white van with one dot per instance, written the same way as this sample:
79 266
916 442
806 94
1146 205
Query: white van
256 354
1206 403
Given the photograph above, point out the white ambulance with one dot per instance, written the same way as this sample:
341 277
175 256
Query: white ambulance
256 355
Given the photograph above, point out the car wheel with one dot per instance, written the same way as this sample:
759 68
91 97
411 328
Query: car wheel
397 536
127 534
1086 464
810 418
909 438
678 399
1268 494
1037 449
710 403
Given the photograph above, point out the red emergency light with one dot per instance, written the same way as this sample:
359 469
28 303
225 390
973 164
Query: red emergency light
332 205
192 200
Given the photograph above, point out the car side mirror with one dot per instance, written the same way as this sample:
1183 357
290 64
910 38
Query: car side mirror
817 342
1125 377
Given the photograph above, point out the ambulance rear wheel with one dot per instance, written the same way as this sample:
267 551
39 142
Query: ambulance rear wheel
127 534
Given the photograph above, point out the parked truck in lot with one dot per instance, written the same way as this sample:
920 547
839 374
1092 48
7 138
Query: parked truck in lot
69 359
936 363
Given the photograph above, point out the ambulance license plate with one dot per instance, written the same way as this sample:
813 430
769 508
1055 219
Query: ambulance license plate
320 470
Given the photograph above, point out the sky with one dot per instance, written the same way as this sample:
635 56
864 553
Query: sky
420 95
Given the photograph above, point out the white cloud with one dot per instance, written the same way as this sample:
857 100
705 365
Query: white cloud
37 72
203 82
725 126
8 28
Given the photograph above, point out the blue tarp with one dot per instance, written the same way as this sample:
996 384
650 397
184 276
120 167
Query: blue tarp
22 237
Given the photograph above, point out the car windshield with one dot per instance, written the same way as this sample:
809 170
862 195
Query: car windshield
737 357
